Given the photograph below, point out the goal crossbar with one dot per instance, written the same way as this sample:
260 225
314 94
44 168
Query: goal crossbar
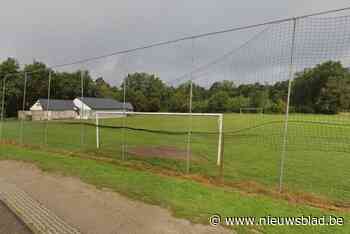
218 115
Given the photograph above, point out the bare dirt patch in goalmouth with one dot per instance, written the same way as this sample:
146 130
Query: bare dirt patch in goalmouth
169 152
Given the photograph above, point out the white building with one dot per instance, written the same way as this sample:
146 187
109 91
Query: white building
88 106
44 109
85 108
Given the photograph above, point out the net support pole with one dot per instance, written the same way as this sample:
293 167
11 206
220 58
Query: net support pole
124 117
188 155
23 108
48 108
82 114
189 135
221 148
285 133
97 131
220 141
2 107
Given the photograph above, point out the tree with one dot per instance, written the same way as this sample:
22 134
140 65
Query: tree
259 99
179 102
139 101
322 89
200 106
336 96
234 104
218 102
37 82
153 90
277 107
9 70
105 90
226 86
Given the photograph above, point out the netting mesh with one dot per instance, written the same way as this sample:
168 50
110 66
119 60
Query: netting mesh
317 130
245 74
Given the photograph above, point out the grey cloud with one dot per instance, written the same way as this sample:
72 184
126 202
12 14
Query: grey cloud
62 31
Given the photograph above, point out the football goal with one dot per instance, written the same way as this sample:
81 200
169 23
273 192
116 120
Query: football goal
143 119
251 110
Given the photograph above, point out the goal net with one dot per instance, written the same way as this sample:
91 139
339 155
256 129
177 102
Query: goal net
174 138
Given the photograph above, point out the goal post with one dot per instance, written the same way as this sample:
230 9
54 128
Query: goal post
123 114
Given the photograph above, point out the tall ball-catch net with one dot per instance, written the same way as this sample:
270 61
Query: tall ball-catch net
294 71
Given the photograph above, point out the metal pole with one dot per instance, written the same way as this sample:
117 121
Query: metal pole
124 116
221 151
188 158
285 137
23 107
97 131
2 107
82 114
47 109
220 141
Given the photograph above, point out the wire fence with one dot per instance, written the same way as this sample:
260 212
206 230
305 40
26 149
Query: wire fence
284 92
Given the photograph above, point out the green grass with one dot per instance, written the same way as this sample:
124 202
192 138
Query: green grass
185 198
317 159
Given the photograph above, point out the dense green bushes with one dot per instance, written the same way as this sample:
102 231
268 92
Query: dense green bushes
323 89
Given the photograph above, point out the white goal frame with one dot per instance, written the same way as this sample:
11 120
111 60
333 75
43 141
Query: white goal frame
125 113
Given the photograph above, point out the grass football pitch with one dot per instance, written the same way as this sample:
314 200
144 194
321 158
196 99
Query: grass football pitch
317 155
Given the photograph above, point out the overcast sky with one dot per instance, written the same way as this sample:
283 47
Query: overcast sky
57 32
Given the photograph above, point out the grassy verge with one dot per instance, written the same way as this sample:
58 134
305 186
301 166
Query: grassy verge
186 199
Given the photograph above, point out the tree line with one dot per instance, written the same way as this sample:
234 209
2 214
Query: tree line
324 89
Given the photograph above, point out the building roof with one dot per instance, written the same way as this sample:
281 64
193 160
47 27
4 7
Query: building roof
105 104
56 104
